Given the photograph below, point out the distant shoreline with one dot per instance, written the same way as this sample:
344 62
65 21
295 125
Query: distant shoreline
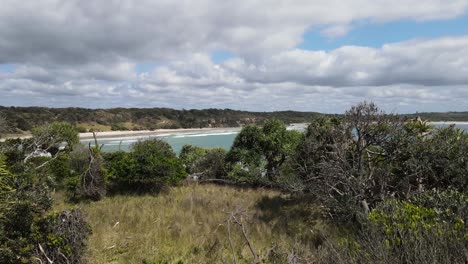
129 133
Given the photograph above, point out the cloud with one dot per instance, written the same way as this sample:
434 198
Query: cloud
76 32
421 62
87 53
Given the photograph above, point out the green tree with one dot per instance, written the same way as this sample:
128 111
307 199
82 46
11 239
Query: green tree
190 156
260 152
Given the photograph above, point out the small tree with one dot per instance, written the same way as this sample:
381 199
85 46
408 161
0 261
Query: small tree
51 139
190 156
344 162
88 180
258 153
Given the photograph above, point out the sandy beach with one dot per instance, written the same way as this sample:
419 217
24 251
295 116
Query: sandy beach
129 133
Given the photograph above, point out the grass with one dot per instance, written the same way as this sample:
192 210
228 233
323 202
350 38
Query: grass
187 224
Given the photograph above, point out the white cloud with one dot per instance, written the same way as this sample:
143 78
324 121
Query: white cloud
73 32
86 53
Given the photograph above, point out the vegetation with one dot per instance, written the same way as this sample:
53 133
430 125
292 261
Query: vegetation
28 232
204 164
258 153
151 165
21 119
189 225
364 187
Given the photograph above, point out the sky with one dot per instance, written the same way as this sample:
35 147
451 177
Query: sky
305 55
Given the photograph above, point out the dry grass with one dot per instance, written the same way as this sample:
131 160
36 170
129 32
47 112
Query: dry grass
188 225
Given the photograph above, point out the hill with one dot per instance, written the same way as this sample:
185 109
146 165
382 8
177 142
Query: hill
25 118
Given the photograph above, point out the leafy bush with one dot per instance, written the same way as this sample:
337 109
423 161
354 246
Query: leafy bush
204 163
258 153
190 156
27 232
212 164
62 237
150 165
402 232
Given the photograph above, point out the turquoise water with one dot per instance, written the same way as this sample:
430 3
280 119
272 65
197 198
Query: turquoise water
210 139
206 139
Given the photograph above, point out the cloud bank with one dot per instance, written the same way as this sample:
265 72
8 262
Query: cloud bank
90 53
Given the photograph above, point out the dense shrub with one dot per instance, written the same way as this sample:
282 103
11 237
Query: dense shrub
402 232
27 232
87 174
190 156
62 237
150 165
353 163
258 153
204 163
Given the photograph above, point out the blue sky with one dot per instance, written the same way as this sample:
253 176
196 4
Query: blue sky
306 55
369 34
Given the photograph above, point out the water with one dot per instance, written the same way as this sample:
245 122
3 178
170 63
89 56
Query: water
206 139
461 125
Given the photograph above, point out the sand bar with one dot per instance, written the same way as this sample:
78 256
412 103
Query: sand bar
130 133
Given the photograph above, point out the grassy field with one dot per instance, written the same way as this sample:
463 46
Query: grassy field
189 224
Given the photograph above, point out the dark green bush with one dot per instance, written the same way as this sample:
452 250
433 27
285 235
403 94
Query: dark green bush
27 232
258 153
151 165
190 156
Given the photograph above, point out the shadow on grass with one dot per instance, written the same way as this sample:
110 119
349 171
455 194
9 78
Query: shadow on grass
298 217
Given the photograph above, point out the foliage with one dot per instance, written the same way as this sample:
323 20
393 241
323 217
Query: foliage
258 153
88 176
27 233
190 156
150 165
352 164
25 118
204 163
212 164
62 237
55 133
4 125
402 232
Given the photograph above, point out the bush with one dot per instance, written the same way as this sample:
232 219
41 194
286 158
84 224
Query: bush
354 163
212 164
403 232
260 152
62 237
28 233
204 163
88 176
190 156
151 165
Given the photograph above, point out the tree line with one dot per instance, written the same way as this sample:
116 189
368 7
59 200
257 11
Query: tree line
22 119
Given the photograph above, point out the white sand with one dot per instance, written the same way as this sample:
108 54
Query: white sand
113 134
